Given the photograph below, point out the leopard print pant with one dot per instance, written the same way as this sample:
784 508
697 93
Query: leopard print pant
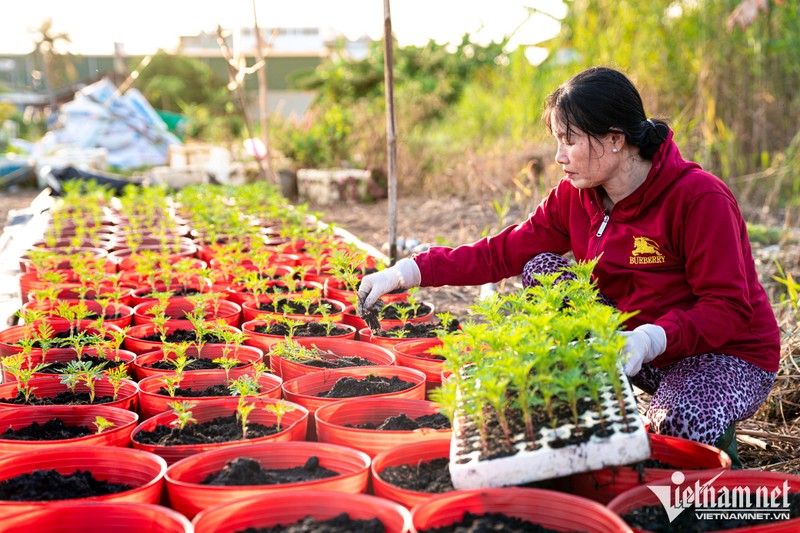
696 398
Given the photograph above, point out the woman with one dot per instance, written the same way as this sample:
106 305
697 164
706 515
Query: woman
672 244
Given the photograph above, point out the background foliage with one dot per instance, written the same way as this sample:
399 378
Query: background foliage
470 117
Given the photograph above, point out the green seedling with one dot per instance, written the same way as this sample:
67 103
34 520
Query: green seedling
101 424
116 377
18 366
183 414
280 408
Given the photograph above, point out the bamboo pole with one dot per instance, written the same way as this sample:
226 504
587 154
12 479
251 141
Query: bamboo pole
263 101
234 75
391 135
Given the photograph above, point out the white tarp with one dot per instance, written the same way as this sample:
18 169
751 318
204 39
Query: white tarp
126 126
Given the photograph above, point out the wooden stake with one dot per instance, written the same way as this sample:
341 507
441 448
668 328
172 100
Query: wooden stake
391 136
234 76
263 101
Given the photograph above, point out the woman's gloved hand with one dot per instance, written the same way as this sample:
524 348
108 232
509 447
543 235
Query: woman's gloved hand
403 275
642 345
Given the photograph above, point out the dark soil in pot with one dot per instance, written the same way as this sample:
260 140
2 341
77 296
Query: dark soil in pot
183 335
402 422
471 522
307 329
350 387
62 398
61 340
654 518
220 429
392 311
58 367
188 392
336 362
197 364
425 476
416 330
47 485
294 308
338 524
246 471
54 429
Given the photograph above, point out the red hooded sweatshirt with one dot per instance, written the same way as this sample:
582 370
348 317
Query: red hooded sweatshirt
676 250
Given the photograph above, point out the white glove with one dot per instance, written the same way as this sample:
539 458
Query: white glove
642 345
403 275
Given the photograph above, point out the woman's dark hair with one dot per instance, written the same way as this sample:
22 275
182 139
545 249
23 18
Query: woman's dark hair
602 100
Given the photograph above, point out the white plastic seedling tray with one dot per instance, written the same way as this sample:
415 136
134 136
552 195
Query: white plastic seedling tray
469 472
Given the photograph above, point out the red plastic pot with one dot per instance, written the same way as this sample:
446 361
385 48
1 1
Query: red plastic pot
406 454
239 293
365 334
72 415
144 293
178 308
62 356
135 339
142 470
50 385
416 354
351 318
126 260
248 355
275 509
251 311
111 310
305 390
151 403
96 518
287 369
549 509
736 481
9 337
605 484
69 291
265 341
332 421
294 425
189 496
61 259
137 280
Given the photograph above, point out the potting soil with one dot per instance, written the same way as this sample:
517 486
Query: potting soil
402 422
425 476
338 524
247 471
307 329
47 485
220 429
472 522
53 429
348 387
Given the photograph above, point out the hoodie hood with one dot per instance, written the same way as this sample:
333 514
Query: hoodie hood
668 167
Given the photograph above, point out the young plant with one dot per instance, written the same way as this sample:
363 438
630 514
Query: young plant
116 376
101 424
243 387
90 377
18 366
183 414
280 408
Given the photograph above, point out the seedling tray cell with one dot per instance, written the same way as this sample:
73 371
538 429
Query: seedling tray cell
626 444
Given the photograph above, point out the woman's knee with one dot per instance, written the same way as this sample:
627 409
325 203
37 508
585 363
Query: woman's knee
545 263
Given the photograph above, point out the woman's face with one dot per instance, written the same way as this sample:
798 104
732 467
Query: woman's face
587 162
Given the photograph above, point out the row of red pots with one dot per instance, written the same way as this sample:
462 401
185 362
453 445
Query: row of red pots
236 508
